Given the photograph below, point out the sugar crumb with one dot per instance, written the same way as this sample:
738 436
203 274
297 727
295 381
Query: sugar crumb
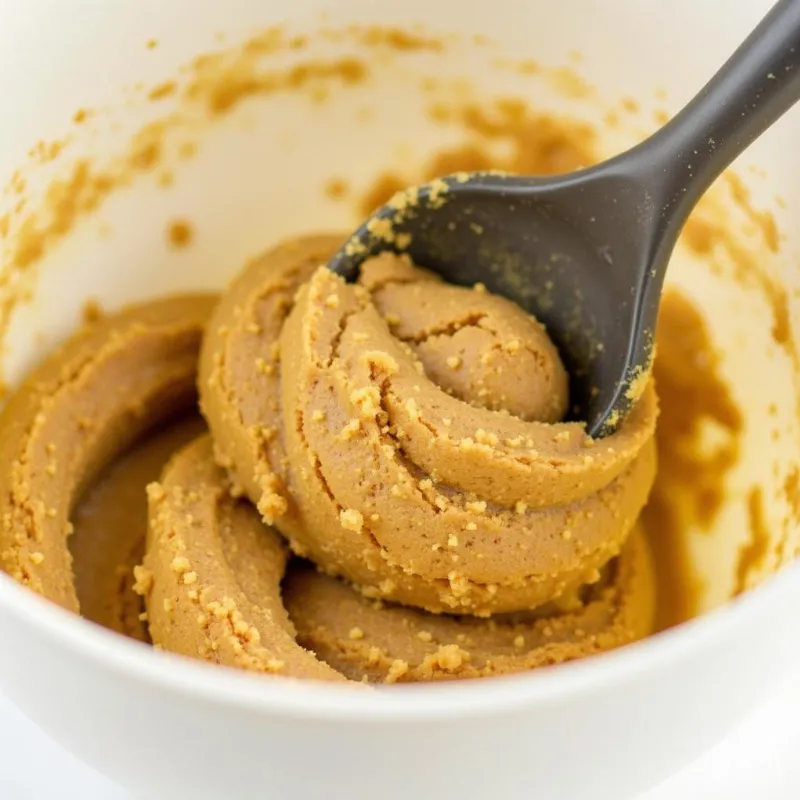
143 580
351 520
396 670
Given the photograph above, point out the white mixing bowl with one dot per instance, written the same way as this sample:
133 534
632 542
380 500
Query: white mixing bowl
168 727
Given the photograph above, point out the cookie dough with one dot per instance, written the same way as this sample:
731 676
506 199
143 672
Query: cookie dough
404 434
212 580
382 643
81 408
110 526
211 577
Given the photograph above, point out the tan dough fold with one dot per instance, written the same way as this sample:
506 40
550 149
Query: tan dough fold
75 413
212 582
404 434
110 527
212 573
369 640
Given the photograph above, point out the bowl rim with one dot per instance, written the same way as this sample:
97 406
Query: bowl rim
319 700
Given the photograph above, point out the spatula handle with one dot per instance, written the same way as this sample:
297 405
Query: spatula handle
757 84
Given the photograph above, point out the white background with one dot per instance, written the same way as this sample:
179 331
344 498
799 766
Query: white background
758 760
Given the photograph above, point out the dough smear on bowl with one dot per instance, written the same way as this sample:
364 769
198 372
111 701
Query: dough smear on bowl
405 435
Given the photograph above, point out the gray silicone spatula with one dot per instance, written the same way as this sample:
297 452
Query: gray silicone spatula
586 252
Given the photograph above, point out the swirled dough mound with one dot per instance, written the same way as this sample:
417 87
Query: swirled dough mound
212 583
404 434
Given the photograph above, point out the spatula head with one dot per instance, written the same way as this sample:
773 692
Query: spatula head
573 251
